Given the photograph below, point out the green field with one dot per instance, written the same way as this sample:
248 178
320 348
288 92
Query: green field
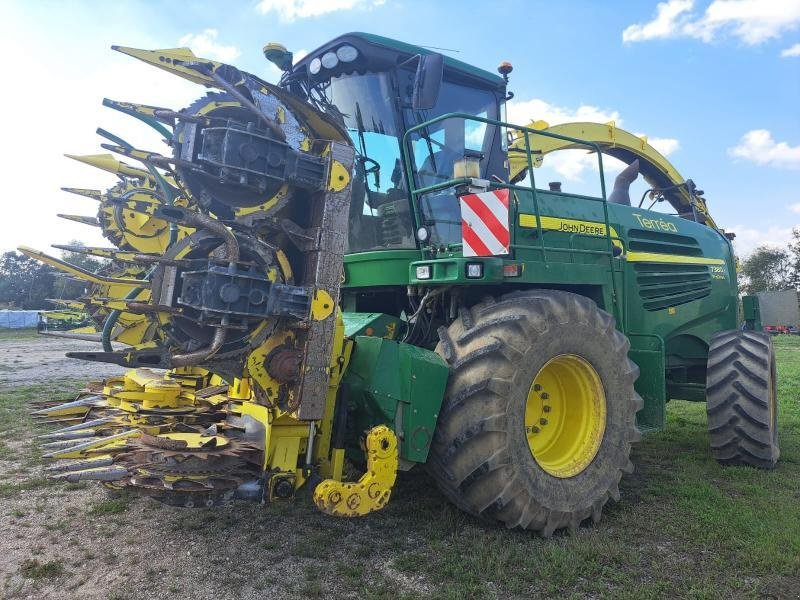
685 527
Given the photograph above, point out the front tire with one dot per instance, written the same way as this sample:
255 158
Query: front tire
538 419
742 400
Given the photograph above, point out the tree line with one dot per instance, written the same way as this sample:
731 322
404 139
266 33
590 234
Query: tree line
26 283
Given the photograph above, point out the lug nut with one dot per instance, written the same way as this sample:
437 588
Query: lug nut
546 408
545 395
543 421
537 387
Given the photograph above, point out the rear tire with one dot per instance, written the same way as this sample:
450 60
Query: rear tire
742 401
482 457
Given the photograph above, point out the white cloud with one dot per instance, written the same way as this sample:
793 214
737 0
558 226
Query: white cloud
752 21
291 10
750 238
571 164
205 45
525 111
670 17
791 51
759 147
795 208
665 146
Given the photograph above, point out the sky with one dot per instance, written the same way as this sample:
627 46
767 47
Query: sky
713 84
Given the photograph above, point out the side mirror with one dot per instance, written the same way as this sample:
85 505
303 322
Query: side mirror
427 82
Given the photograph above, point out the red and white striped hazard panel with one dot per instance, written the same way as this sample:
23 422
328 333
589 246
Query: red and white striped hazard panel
484 223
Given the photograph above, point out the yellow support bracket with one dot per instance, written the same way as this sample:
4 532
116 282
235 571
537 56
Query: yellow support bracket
371 492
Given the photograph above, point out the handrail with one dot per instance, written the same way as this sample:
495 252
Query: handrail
410 166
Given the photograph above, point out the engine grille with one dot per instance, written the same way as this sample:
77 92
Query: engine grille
663 285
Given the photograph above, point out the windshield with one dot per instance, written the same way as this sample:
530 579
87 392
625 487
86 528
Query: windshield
380 216
436 150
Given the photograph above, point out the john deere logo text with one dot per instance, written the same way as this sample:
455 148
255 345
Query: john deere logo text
657 224
578 227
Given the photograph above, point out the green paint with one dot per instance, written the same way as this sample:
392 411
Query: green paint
751 313
371 269
399 385
490 78
371 325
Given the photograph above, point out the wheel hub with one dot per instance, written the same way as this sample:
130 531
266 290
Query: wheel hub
565 415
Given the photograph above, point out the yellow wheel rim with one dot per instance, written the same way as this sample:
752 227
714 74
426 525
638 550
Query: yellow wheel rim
565 415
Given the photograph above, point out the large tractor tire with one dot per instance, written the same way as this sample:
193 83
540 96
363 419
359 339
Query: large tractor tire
538 419
742 401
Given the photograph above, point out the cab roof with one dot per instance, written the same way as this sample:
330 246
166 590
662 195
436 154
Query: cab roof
371 46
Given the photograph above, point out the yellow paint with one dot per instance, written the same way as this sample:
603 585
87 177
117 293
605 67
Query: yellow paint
286 267
672 258
574 226
256 365
171 60
565 415
322 306
101 445
143 389
339 177
371 492
331 460
107 162
593 228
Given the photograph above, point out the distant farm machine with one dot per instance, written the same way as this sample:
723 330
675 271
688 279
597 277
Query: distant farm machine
356 266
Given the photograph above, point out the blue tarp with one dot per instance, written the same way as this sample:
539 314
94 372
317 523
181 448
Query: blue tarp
18 319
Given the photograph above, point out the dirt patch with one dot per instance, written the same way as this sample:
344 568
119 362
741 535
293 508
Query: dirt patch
28 359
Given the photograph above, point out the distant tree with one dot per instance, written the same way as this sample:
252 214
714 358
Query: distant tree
24 282
69 289
767 269
794 257
27 283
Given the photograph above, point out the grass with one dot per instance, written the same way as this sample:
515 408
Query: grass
113 506
15 420
35 483
685 527
33 569
17 334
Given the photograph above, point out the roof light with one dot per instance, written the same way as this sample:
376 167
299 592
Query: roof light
314 66
329 60
347 54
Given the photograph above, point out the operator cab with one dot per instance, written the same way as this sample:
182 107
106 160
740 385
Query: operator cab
378 89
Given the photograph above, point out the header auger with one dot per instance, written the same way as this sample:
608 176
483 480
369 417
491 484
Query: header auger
356 264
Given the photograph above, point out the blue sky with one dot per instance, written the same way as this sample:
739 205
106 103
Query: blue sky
715 84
